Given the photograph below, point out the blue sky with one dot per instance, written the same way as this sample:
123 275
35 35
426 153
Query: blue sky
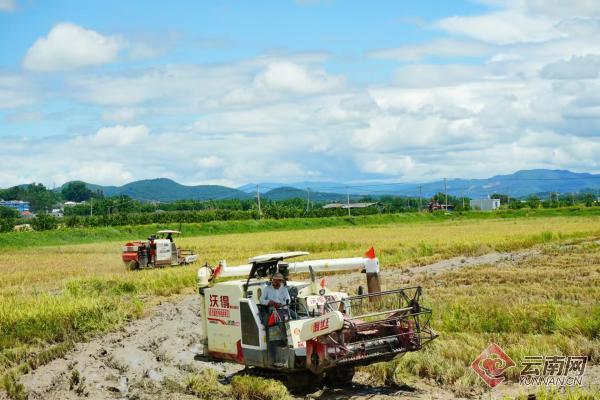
231 92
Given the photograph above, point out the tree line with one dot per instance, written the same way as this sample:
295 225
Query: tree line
123 210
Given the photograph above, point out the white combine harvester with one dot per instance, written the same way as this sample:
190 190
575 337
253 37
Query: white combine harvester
320 334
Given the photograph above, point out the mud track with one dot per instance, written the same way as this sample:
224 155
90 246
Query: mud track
150 358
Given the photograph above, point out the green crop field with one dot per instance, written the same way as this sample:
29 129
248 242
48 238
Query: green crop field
54 295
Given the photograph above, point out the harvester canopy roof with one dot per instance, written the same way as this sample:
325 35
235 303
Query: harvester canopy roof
167 231
276 256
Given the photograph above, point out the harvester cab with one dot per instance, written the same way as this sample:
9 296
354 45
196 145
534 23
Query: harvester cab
318 332
159 250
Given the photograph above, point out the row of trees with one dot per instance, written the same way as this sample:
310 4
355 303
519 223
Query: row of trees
41 199
123 210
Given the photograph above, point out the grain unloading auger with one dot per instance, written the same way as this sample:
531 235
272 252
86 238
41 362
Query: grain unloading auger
319 333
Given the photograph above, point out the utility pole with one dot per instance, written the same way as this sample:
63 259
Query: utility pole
446 194
348 199
420 198
258 198
462 194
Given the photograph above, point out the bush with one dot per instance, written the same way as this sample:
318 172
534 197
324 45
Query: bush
246 387
7 212
7 224
44 222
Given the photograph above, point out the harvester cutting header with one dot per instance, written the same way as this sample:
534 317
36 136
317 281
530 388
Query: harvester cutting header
283 328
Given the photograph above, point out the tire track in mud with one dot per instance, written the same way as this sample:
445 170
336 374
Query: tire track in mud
146 359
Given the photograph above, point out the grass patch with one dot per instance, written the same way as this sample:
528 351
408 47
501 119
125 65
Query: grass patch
246 387
541 306
206 385
574 393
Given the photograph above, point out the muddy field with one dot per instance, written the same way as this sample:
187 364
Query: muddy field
150 358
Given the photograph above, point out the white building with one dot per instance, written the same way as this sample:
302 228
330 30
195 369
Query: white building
485 204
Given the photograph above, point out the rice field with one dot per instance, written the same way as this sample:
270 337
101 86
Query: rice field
53 296
547 305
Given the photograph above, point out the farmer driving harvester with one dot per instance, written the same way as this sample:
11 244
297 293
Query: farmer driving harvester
274 298
275 294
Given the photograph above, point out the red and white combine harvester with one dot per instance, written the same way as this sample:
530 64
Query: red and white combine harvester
158 251
318 334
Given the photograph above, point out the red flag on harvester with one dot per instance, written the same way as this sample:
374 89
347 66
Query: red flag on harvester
273 318
216 272
370 253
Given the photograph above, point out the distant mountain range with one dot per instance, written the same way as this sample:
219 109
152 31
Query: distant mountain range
163 189
518 184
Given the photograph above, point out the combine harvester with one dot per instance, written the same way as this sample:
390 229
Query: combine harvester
319 334
157 251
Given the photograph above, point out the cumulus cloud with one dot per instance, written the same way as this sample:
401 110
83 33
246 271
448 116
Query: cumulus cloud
120 135
294 78
111 137
69 46
577 67
525 97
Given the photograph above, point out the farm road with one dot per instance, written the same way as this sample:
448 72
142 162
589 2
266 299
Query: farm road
150 358
391 277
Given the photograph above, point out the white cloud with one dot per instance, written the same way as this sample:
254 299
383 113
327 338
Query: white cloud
398 166
184 86
502 27
119 136
428 75
294 78
582 67
121 115
8 5
437 48
69 46
15 91
561 8
210 162
98 172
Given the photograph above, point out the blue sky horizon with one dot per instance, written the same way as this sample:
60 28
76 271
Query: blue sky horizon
228 92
